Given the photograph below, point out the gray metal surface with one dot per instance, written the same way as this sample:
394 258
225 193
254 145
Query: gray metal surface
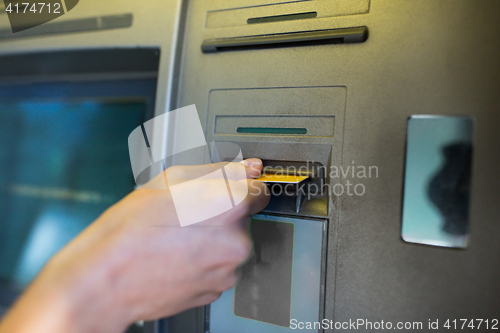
421 57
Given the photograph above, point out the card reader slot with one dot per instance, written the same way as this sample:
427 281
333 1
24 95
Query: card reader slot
290 39
280 18
293 196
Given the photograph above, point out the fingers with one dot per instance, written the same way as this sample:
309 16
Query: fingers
206 299
200 199
258 196
246 169
249 168
254 167
249 196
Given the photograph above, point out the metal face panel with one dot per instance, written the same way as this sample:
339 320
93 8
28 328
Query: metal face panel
421 57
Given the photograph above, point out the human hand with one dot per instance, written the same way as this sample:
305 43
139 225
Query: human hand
136 262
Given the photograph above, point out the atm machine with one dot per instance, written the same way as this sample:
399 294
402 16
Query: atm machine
390 108
408 89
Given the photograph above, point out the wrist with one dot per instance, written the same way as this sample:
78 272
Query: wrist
67 297
82 288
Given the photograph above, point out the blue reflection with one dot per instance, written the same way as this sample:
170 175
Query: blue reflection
55 227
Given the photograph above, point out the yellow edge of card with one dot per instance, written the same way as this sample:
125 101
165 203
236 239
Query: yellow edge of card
272 178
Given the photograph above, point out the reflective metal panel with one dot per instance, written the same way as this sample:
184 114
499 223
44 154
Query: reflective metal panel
437 180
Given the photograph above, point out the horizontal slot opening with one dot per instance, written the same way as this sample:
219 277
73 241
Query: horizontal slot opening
313 125
280 45
280 18
271 130
290 39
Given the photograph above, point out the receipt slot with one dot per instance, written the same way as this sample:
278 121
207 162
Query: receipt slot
281 281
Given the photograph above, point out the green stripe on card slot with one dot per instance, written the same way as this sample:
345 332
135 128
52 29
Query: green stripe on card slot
271 130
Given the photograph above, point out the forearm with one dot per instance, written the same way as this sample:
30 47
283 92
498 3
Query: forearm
136 262
43 308
60 300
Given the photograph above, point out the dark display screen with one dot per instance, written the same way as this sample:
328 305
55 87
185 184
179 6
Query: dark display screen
63 161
